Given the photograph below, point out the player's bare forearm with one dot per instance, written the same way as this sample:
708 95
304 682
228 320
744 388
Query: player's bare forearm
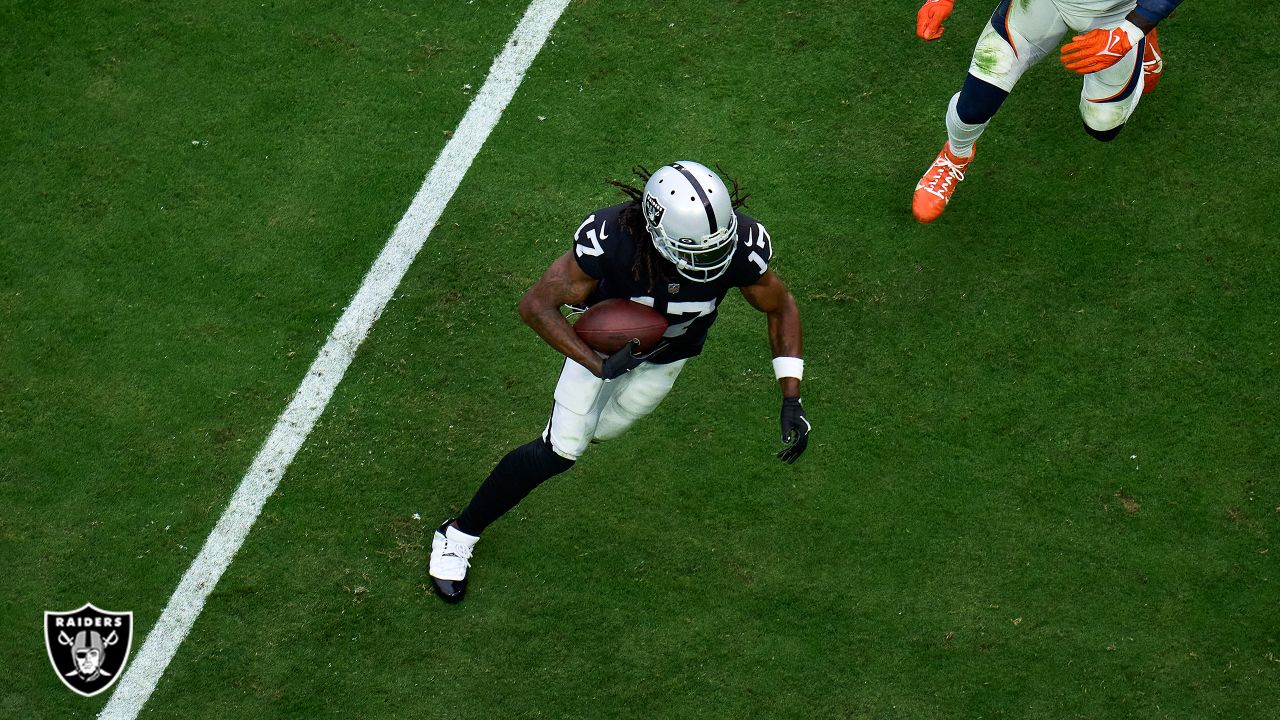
785 340
786 337
562 284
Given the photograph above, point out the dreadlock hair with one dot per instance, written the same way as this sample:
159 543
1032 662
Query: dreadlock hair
647 266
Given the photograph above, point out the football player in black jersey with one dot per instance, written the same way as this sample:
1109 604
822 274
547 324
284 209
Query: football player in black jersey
678 246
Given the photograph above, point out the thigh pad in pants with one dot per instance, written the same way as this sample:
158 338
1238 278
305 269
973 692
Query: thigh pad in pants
588 408
646 386
1108 97
1020 33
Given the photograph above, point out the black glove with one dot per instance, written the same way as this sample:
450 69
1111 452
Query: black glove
795 430
625 360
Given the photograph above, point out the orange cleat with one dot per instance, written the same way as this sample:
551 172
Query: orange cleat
939 181
1152 63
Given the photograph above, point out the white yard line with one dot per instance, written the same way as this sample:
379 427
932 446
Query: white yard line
326 372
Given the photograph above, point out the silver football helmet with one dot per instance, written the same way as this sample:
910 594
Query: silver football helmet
689 215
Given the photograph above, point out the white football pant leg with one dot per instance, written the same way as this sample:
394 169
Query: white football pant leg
640 393
1108 97
1020 33
579 398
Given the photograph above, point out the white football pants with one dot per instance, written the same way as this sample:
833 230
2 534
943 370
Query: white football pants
588 408
1022 32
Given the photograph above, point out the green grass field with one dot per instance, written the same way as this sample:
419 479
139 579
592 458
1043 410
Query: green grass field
1044 480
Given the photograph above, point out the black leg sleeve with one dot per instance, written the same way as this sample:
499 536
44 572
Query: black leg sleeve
516 475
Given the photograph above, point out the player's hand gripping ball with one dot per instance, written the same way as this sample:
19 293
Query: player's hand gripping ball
931 16
609 325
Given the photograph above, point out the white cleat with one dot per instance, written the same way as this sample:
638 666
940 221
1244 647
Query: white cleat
450 558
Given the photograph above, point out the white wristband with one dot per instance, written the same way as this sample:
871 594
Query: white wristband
788 367
1133 31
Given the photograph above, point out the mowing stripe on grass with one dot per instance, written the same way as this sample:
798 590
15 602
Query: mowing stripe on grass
331 364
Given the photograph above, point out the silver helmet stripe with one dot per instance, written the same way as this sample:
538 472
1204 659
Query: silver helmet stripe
702 195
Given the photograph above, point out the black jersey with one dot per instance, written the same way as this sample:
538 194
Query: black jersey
606 250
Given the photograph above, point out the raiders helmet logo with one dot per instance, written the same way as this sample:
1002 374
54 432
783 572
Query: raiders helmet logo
88 647
653 211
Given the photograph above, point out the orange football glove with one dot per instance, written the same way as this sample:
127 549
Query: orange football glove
929 19
1100 48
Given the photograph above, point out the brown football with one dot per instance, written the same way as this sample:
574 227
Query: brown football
610 324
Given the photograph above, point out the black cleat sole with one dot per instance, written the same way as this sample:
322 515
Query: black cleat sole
450 591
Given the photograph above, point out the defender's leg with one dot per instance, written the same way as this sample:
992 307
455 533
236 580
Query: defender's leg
1109 97
1019 34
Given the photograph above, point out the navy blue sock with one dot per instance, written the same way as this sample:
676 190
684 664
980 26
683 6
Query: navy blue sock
1104 135
979 101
